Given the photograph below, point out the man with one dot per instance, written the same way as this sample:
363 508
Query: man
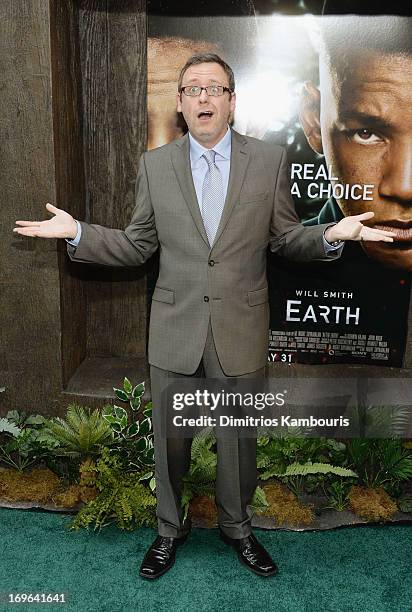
212 202
361 120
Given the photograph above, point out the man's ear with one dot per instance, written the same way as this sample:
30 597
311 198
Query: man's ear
232 108
179 102
309 115
232 102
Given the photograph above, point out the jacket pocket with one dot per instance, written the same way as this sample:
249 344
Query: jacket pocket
164 295
261 296
245 197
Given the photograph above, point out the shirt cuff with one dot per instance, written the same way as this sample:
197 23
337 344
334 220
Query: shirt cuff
76 240
332 246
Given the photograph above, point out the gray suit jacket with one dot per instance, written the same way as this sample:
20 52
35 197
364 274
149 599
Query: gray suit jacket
226 283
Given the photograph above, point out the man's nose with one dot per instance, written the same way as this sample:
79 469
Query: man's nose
203 96
396 183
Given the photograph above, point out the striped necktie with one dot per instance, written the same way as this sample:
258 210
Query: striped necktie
212 196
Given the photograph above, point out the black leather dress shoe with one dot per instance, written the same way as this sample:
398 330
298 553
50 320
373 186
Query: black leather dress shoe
160 557
252 554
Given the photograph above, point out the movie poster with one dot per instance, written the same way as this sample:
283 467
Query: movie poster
336 92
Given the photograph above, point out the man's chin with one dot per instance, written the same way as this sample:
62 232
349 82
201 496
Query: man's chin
390 254
205 135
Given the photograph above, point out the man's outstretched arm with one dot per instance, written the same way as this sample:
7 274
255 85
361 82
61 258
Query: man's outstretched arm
101 245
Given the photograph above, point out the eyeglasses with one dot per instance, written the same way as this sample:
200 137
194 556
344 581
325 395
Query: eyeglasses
212 90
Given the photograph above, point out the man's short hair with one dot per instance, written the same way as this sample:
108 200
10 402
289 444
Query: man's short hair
344 39
344 35
207 58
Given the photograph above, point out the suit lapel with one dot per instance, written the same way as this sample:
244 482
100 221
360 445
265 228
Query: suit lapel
181 165
239 161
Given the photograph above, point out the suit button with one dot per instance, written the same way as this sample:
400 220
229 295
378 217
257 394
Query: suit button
211 262
206 299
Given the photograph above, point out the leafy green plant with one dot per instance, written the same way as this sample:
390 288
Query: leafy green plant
259 502
380 462
9 427
373 420
302 463
337 494
200 479
294 474
76 438
123 499
303 469
80 435
133 441
281 452
21 442
405 503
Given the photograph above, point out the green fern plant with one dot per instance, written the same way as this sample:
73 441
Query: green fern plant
405 503
299 469
276 455
259 501
294 474
122 500
81 434
337 494
380 462
201 477
374 420
281 452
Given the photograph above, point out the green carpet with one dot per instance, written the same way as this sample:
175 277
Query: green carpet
366 568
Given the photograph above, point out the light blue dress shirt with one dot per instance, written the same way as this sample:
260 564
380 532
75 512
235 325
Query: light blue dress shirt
199 168
76 240
198 164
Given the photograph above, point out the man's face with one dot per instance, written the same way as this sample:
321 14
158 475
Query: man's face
366 136
206 116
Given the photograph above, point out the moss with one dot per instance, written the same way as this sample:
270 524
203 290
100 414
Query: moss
285 507
371 504
43 486
88 493
69 498
74 495
38 485
204 508
83 492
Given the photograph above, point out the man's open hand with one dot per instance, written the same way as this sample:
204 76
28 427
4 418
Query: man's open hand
61 225
352 228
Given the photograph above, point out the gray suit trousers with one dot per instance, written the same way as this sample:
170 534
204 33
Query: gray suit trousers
236 477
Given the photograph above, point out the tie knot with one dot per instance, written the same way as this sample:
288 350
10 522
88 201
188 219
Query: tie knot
210 157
